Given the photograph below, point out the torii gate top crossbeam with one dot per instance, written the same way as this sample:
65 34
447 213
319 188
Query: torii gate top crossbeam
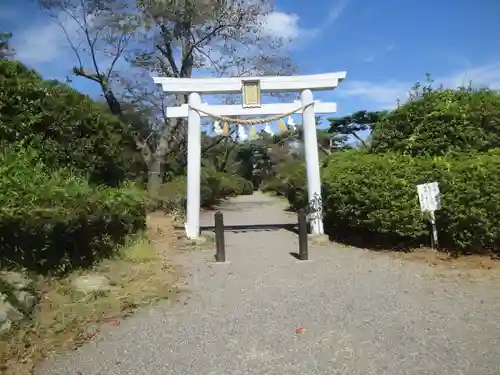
313 82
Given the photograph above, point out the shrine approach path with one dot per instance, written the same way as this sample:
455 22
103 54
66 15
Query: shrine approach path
346 311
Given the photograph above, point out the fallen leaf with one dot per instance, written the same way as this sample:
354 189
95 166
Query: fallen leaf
300 330
115 323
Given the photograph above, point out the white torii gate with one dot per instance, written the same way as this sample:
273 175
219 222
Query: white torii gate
250 87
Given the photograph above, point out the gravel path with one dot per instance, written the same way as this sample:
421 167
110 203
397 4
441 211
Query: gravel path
364 313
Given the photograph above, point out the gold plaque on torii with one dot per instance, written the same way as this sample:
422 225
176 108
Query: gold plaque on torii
250 91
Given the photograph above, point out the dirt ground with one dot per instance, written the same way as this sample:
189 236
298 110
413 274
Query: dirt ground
141 275
473 267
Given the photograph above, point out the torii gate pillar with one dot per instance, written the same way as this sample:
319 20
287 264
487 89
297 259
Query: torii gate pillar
193 168
312 160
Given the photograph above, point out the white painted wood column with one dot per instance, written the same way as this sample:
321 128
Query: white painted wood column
193 168
312 158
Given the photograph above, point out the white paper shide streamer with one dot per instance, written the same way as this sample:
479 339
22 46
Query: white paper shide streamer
242 134
217 129
268 130
291 123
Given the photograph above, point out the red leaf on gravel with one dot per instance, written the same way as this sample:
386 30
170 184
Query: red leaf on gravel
300 330
116 323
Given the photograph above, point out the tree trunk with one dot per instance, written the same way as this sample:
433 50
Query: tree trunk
113 103
155 178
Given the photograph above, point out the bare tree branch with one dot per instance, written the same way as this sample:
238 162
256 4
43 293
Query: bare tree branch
174 40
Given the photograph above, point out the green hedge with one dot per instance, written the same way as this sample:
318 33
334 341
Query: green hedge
441 122
52 221
373 198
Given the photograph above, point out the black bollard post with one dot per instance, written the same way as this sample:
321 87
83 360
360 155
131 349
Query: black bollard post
303 252
220 254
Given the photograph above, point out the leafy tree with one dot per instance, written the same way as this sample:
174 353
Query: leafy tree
174 40
98 32
72 129
343 127
326 141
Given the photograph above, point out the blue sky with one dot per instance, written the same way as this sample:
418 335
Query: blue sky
385 46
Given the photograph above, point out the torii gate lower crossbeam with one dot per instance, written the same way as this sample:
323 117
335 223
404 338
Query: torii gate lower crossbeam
195 86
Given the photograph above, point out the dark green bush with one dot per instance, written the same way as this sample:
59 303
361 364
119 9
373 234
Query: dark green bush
373 198
214 187
272 185
290 181
53 221
232 185
210 193
440 122
72 130
172 195
245 187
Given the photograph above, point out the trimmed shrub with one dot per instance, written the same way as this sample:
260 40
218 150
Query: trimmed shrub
72 130
54 221
373 198
440 122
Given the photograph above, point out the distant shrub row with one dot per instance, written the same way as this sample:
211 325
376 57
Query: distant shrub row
215 186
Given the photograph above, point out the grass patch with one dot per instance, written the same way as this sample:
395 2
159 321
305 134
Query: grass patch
65 319
139 251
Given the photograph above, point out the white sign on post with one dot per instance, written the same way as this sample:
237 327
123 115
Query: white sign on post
430 201
429 197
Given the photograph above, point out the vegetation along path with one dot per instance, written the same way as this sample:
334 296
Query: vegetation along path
346 311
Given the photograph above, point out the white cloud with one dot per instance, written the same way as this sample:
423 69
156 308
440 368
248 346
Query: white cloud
384 95
286 25
335 12
43 42
485 75
48 42
281 25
